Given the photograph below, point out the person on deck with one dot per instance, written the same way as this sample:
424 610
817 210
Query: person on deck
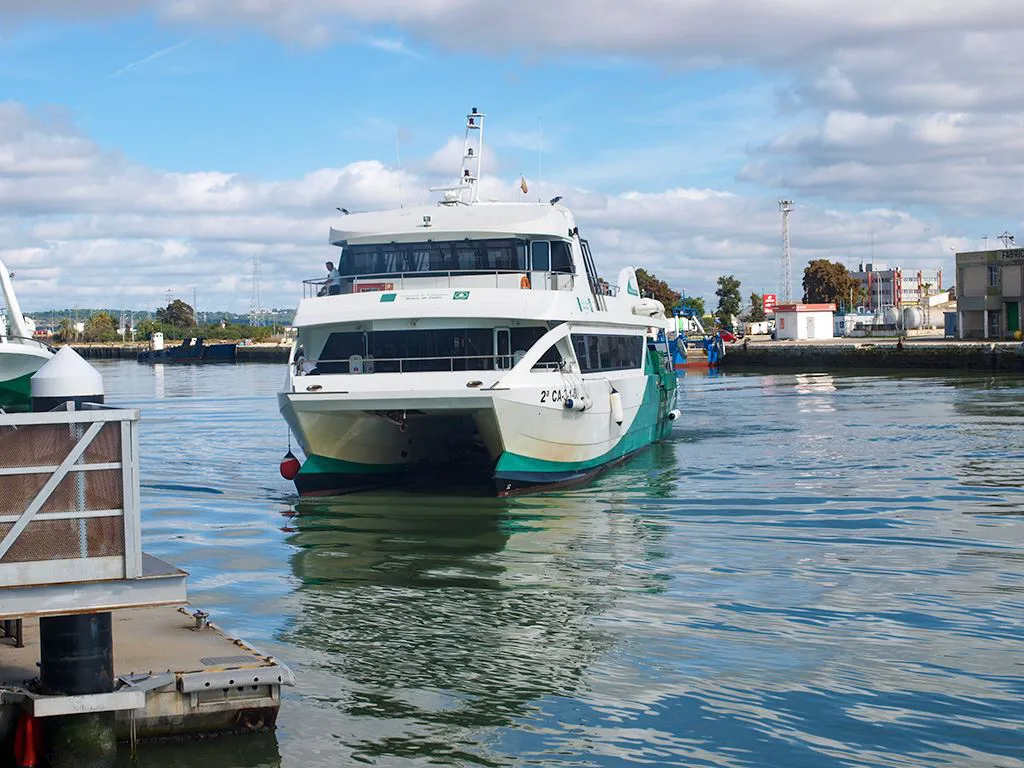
333 279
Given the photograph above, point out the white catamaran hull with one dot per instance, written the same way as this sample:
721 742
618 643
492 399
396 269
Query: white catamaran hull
518 437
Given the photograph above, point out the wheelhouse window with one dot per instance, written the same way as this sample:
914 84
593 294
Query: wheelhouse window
561 257
599 352
445 256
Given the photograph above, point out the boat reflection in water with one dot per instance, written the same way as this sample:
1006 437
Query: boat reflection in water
442 616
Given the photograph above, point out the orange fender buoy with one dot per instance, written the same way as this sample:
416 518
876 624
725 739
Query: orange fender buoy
525 282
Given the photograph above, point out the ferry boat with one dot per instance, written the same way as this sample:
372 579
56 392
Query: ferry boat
472 336
21 355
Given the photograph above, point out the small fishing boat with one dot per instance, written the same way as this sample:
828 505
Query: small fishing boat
193 350
693 347
21 355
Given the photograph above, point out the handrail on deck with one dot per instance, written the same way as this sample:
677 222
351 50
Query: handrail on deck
26 340
369 364
390 281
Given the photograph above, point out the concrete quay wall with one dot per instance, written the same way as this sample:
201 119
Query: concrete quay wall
867 355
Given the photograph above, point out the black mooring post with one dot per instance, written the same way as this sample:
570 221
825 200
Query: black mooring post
76 658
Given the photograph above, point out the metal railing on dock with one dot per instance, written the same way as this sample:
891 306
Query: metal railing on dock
70 518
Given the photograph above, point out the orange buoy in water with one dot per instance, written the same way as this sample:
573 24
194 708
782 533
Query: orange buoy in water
290 466
27 742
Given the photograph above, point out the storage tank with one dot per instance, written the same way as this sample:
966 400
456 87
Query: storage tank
913 318
891 316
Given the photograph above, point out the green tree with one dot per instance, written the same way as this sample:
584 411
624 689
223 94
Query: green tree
696 303
756 308
650 285
177 313
729 299
145 329
66 331
829 282
101 327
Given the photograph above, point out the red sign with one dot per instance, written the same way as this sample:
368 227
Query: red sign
373 287
768 303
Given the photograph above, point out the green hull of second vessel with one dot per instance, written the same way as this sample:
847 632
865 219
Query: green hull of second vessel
15 394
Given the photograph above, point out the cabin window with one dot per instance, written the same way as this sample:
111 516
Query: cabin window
523 340
442 349
600 352
540 256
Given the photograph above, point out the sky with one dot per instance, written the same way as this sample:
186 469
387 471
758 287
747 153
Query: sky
155 146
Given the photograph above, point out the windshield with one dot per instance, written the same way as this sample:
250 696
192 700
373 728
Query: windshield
450 256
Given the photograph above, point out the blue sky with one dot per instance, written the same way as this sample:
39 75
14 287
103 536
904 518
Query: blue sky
160 144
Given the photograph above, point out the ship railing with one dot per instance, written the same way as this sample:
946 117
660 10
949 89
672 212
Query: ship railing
459 279
69 510
27 341
357 364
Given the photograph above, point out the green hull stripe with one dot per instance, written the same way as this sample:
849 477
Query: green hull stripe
650 425
316 464
16 393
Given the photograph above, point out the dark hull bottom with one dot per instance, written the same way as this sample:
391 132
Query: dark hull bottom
518 483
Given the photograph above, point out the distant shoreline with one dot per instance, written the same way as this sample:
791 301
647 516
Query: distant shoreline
876 354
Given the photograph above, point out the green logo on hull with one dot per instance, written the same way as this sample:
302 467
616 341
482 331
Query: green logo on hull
460 295
386 297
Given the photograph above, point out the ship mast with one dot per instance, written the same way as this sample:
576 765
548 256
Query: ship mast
472 162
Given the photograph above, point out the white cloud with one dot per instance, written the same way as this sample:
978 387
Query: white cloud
104 231
393 45
911 102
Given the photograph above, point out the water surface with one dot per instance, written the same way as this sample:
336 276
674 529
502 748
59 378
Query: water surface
815 571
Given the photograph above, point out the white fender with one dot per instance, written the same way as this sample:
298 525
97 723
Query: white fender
615 402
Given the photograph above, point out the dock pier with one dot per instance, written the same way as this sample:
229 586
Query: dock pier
881 354
96 646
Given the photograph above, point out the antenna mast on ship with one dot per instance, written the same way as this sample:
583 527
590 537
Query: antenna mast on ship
472 158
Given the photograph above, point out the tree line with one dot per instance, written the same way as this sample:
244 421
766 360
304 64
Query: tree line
175 321
824 282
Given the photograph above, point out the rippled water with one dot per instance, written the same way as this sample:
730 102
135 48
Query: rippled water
816 571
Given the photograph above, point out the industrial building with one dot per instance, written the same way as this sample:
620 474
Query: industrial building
896 287
989 292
